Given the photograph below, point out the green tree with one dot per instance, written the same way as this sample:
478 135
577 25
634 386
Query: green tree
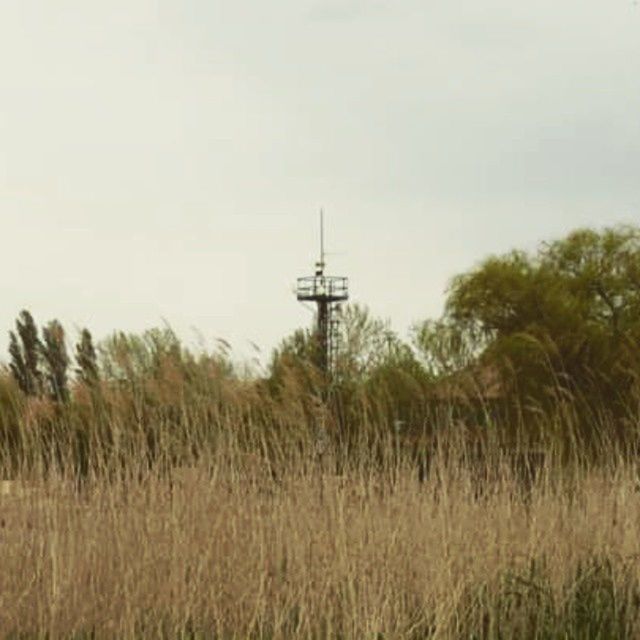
366 341
25 352
446 347
17 364
295 363
86 359
56 359
566 317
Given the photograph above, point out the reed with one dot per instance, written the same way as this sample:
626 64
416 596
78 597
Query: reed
192 503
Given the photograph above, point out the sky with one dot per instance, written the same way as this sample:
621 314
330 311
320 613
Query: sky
165 161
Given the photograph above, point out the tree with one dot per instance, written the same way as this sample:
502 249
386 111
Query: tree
54 353
564 318
602 272
17 364
446 347
25 355
366 342
296 362
86 359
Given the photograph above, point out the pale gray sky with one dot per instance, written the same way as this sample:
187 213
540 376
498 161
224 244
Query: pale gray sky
167 159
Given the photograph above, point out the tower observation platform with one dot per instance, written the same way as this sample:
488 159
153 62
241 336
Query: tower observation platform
321 287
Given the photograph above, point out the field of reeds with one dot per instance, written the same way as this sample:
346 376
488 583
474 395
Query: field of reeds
178 500
224 547
222 552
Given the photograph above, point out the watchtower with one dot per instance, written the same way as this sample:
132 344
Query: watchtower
327 292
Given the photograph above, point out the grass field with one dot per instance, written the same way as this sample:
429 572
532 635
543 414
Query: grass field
173 499
225 548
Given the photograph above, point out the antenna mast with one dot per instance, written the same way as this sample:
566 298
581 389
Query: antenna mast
327 292
322 238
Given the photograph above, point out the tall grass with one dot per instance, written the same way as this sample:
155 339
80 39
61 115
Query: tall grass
231 552
179 500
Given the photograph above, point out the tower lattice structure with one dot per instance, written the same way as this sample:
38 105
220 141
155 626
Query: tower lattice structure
327 292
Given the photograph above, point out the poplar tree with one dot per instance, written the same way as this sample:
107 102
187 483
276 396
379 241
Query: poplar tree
87 360
56 358
25 349
17 365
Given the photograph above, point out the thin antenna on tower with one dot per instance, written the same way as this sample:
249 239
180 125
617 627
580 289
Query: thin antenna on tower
322 237
321 264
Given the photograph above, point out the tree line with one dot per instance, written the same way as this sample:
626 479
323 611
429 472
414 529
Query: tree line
524 337
545 343
562 319
40 364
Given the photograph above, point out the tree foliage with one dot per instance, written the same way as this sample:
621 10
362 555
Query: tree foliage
551 331
87 359
56 360
25 350
566 316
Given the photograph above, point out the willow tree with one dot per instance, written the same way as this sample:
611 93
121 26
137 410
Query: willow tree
563 321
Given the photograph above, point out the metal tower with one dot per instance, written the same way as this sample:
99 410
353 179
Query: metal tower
327 292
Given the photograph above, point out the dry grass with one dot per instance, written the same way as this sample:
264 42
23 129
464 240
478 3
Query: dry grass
194 505
313 555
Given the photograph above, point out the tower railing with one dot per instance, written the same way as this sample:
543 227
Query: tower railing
323 288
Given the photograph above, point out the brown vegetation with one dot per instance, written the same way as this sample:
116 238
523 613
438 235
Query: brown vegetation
221 549
481 483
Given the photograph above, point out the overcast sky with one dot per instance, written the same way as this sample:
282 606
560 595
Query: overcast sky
167 160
